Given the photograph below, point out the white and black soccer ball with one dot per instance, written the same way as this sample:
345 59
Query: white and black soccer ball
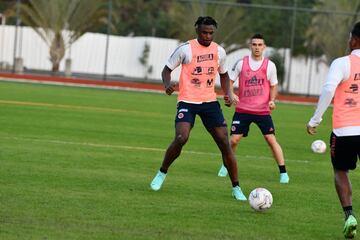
260 199
318 146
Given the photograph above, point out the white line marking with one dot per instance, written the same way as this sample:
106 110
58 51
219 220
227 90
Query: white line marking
79 107
86 85
100 145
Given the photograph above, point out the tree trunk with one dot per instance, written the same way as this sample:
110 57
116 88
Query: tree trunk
55 67
57 51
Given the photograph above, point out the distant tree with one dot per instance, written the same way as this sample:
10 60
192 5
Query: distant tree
5 10
277 58
144 60
49 18
329 32
142 17
229 18
276 24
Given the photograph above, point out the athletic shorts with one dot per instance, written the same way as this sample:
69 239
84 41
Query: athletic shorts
345 151
242 121
210 113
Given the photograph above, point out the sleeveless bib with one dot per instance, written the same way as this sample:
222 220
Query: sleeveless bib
346 110
197 78
254 89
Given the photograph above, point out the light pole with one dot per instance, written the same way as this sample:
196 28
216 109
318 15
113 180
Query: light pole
16 32
3 20
291 45
107 38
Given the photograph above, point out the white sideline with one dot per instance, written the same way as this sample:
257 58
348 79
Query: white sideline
99 145
72 107
84 85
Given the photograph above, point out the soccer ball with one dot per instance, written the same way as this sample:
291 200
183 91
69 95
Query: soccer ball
260 199
318 146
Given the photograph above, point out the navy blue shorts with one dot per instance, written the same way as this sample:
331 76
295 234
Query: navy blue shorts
210 113
345 151
241 123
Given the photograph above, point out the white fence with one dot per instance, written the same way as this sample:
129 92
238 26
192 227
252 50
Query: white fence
88 56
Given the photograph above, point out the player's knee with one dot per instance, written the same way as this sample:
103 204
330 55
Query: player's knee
181 139
234 141
223 143
270 139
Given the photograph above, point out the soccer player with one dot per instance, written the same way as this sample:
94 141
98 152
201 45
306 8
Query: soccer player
201 60
342 83
257 93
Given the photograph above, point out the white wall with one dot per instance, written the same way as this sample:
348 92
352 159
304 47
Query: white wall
88 56
307 75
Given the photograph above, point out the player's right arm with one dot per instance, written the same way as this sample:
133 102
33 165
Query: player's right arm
179 56
166 78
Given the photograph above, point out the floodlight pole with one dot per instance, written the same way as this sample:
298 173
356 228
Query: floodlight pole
3 19
291 45
107 38
310 74
202 4
16 32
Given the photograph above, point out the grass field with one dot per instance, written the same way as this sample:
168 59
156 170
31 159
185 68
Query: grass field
76 163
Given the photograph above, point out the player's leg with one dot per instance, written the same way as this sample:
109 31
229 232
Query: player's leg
344 155
267 128
239 127
344 190
343 187
214 122
275 149
184 121
234 140
182 132
219 134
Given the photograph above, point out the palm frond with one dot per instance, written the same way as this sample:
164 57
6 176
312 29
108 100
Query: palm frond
49 19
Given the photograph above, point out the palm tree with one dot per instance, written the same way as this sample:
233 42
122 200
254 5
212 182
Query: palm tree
328 32
61 22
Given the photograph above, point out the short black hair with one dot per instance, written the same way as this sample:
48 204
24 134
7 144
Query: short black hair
356 30
258 36
206 21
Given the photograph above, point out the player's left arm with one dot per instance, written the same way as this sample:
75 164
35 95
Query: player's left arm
225 81
273 94
339 70
227 87
272 76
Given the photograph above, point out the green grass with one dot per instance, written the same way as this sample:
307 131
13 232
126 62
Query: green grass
76 163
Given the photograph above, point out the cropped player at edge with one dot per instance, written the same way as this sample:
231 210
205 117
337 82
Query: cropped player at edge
342 83
257 93
201 60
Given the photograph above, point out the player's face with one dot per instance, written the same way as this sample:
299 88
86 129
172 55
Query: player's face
257 47
205 34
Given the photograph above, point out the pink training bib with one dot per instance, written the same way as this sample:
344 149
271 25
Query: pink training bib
254 89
